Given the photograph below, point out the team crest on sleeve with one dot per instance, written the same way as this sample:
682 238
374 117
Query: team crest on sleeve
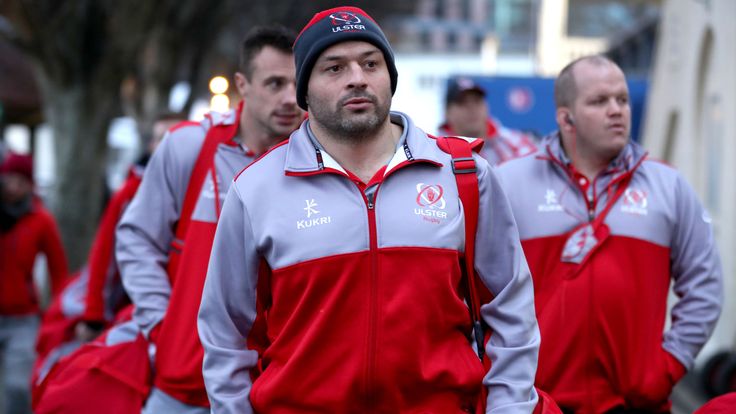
635 202
431 203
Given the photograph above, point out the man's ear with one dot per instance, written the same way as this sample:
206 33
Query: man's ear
565 119
241 83
569 120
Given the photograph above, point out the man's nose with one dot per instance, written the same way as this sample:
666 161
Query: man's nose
289 94
357 78
615 107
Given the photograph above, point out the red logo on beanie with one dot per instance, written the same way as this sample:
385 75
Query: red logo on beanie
346 22
341 18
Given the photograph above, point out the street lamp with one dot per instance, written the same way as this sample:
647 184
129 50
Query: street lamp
219 101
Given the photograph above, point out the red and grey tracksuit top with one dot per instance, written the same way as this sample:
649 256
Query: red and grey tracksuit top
102 299
166 304
34 233
601 296
500 143
325 294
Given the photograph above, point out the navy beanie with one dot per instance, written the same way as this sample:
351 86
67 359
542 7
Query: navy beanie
333 26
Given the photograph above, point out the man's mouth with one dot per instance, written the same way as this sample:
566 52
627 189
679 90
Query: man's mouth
358 103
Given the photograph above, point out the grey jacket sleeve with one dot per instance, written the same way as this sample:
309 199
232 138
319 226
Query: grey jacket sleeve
698 279
146 230
228 310
514 345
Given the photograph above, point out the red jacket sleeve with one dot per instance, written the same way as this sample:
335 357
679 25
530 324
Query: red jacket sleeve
101 257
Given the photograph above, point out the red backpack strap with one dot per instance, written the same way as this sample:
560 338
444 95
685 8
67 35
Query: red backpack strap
464 169
217 134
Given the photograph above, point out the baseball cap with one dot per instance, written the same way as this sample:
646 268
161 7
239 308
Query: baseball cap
458 85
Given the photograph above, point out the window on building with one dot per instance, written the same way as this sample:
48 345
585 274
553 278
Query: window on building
515 24
602 18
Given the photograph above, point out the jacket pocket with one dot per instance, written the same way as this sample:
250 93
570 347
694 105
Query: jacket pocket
653 388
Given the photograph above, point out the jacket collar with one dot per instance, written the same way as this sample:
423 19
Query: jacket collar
629 157
305 155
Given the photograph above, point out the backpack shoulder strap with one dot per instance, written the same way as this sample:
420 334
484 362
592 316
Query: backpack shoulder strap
464 169
216 135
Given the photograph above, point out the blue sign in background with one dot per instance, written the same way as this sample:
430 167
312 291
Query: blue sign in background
527 103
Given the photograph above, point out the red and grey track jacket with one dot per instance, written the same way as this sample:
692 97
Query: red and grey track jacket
501 143
601 299
166 304
102 299
34 233
339 296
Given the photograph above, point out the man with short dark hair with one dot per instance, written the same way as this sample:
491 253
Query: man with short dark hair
335 283
606 231
165 236
467 115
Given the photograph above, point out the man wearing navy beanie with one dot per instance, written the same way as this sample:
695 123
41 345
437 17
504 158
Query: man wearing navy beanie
345 294
333 26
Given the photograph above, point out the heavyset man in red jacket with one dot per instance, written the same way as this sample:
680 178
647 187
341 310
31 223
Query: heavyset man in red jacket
26 230
162 266
607 231
335 283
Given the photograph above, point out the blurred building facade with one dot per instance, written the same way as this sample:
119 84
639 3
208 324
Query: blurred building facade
527 38
691 121
530 37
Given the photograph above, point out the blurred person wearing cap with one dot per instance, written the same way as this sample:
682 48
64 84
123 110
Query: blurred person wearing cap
607 232
335 283
467 115
164 238
26 230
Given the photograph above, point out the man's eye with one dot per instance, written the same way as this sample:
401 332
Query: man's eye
333 68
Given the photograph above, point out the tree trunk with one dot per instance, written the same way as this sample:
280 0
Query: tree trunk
80 117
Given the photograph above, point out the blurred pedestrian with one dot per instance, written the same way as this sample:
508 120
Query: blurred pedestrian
92 298
607 231
335 281
165 236
104 295
92 301
26 230
467 114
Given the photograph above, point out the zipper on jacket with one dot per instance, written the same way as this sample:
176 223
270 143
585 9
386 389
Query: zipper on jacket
369 195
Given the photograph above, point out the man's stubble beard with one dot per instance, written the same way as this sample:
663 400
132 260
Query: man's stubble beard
344 126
